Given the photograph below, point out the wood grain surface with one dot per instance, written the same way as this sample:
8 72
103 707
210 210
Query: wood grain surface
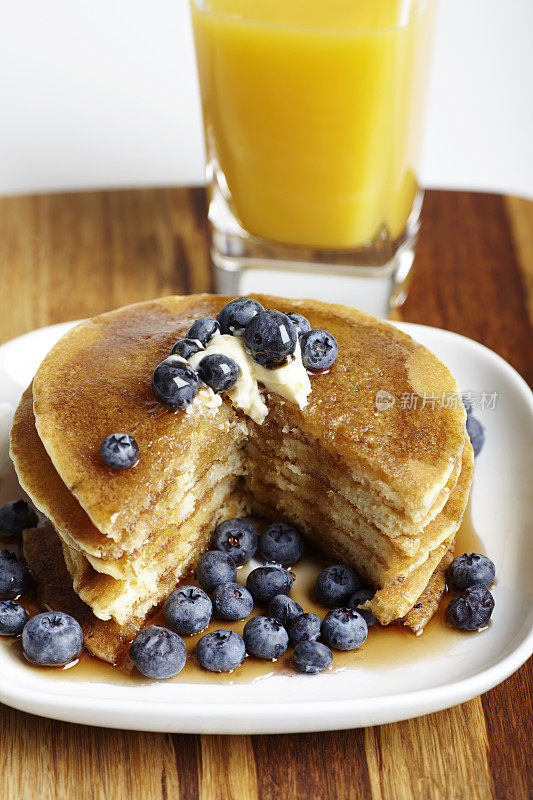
68 256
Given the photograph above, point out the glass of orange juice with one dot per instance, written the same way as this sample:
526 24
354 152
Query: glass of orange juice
313 115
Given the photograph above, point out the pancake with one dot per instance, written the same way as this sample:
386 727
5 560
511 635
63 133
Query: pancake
97 380
382 489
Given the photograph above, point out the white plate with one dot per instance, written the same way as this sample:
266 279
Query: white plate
502 513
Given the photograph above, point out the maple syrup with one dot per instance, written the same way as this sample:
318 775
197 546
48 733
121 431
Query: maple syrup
382 644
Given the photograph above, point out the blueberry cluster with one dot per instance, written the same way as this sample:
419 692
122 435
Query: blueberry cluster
175 383
49 639
470 575
269 338
190 609
54 638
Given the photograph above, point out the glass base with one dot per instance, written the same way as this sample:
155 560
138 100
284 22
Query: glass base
374 278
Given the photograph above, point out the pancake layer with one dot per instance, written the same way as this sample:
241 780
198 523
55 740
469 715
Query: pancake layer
382 489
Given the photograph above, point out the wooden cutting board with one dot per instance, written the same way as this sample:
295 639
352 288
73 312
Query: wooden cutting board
67 256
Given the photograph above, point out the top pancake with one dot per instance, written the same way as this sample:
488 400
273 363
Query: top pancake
97 380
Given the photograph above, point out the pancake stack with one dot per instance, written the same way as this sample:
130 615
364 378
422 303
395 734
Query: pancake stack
380 487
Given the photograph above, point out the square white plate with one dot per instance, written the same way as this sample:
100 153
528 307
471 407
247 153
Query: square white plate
502 512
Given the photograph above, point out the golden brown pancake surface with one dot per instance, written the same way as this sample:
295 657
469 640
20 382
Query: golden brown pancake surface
97 380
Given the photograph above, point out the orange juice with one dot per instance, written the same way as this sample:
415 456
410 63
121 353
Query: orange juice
312 111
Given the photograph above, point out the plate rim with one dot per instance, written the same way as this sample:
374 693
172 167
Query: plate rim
298 715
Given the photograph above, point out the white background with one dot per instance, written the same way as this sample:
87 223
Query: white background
100 93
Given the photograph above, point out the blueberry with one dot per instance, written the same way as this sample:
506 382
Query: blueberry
336 584
474 428
16 517
214 568
344 629
471 569
284 608
186 348
319 349
236 537
203 329
476 432
119 450
221 651
174 383
467 405
265 637
269 338
13 617
218 371
281 542
472 609
305 628
15 578
312 657
188 610
301 324
52 639
264 583
358 599
158 652
236 314
232 602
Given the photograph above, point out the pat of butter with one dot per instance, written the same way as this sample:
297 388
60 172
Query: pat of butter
205 397
291 380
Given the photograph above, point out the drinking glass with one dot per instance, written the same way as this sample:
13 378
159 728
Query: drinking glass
313 115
